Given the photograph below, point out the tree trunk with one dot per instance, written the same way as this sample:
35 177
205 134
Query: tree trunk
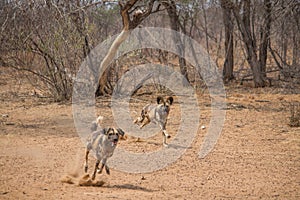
103 87
175 25
296 39
265 37
229 62
296 46
250 46
258 76
128 24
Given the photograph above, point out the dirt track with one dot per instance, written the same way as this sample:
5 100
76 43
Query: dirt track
257 155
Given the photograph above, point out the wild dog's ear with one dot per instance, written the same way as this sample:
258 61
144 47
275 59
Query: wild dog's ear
159 100
170 100
120 132
106 130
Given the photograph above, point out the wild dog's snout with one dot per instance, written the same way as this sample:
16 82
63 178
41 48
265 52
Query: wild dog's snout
115 141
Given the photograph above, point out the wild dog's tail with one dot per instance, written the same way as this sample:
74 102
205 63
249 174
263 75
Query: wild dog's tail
96 123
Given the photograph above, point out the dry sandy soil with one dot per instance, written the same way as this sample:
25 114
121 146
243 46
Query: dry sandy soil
257 155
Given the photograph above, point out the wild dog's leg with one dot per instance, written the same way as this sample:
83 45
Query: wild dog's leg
87 151
165 135
95 170
143 115
138 120
100 169
107 170
164 132
141 118
145 122
103 163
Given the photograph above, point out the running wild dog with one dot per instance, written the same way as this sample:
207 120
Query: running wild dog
158 114
103 142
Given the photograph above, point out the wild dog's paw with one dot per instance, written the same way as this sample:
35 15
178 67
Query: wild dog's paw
107 170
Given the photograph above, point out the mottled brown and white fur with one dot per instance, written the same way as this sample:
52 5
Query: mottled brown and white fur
158 114
103 143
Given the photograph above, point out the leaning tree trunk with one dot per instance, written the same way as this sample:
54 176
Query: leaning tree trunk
104 87
129 23
228 24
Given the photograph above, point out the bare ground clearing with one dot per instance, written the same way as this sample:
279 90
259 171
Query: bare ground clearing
257 154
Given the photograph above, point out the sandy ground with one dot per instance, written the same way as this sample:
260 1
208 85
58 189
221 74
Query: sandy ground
257 155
